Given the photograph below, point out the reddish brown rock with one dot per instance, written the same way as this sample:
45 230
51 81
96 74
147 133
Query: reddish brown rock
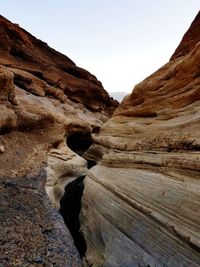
19 49
190 39
44 98
141 202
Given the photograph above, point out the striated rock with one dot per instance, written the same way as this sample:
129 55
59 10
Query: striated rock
63 167
44 98
190 39
141 202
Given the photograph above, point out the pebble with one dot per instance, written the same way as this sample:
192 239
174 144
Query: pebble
38 259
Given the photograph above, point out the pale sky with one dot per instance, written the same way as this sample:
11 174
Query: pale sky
121 42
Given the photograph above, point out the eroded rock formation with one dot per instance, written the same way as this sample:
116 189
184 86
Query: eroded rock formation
44 98
141 204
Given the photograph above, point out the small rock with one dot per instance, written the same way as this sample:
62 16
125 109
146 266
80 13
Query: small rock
2 149
38 260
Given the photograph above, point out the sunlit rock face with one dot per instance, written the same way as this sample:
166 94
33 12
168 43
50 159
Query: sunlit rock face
141 203
44 98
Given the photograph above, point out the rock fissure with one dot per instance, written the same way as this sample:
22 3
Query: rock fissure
66 170
70 207
70 203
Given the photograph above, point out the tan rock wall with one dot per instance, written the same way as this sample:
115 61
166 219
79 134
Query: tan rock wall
141 203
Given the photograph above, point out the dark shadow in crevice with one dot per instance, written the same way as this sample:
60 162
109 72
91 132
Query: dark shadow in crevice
79 142
70 206
91 163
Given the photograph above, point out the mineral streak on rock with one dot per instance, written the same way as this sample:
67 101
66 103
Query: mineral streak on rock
141 203
44 98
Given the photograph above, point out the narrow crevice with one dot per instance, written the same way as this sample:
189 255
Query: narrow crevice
90 163
70 206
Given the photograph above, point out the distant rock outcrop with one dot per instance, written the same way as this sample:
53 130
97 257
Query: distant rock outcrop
44 98
141 203
118 95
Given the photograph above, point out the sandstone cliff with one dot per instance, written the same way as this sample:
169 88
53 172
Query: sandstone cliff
44 98
141 203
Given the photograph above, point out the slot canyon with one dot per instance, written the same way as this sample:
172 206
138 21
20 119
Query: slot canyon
86 181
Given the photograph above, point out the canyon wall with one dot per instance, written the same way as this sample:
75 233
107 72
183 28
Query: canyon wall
141 202
44 98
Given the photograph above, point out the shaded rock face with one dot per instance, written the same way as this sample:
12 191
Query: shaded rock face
44 98
141 203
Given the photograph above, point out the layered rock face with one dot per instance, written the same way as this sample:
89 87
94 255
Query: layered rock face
19 49
141 203
44 98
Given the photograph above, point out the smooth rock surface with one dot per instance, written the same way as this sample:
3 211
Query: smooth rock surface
141 203
63 167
